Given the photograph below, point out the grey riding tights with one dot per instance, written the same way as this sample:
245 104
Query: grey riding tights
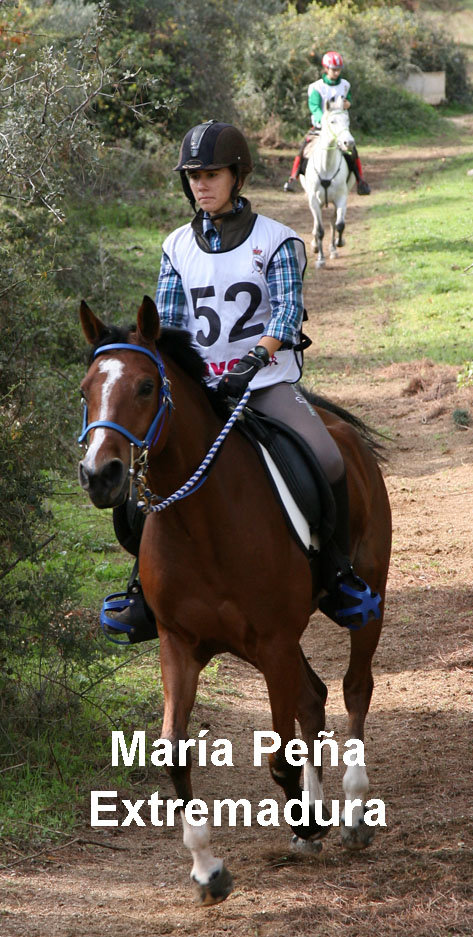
286 403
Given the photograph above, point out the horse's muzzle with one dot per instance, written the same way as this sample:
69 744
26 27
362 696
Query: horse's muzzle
107 486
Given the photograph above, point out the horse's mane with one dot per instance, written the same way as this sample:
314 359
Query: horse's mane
369 435
177 345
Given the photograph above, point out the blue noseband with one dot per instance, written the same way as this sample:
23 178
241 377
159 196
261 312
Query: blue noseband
164 401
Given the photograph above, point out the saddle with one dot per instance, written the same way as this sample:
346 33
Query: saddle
309 146
276 444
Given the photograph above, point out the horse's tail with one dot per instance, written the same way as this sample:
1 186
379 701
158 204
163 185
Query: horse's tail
369 435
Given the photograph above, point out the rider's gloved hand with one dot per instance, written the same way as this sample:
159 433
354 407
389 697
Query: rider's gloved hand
235 382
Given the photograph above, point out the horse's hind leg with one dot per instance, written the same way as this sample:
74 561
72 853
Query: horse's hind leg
311 718
291 691
317 231
180 673
338 227
357 690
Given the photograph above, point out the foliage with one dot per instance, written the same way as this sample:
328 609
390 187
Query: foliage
282 61
46 95
192 51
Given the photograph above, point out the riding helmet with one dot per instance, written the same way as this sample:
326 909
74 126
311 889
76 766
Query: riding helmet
332 60
214 145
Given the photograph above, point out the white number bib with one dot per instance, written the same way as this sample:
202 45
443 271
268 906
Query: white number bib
227 296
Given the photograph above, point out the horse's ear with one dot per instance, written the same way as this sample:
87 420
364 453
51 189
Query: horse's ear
92 327
148 320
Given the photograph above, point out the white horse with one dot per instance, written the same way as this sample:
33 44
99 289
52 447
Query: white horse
327 176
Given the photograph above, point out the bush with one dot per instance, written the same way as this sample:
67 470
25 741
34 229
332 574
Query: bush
287 56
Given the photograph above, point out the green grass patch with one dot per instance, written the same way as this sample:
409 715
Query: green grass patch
421 239
87 537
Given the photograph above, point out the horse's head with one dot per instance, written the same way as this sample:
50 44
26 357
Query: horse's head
123 394
336 123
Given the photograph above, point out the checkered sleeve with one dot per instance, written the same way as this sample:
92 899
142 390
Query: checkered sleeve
170 296
284 280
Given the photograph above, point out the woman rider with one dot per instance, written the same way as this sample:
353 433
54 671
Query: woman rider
233 279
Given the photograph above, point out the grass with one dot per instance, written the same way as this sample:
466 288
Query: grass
87 535
421 238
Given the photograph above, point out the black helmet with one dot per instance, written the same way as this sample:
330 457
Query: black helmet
213 145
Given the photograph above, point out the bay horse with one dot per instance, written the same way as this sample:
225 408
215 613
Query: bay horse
327 179
219 569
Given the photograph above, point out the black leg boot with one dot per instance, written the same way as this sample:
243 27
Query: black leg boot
350 601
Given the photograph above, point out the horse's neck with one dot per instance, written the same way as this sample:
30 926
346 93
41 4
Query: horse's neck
326 153
192 430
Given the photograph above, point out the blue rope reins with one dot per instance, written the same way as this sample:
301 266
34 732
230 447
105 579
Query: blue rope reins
201 473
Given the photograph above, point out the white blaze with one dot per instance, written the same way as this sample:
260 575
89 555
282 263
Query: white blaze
113 370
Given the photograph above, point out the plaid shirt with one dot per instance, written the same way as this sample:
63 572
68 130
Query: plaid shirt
284 281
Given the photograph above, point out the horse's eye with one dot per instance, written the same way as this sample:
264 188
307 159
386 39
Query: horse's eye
146 388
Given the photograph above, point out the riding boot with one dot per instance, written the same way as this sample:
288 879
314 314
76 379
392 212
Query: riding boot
362 186
291 184
127 614
349 600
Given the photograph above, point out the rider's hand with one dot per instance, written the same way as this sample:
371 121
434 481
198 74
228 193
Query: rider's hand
235 382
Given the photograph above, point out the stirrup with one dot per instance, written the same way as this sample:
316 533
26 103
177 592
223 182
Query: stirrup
367 603
131 618
116 602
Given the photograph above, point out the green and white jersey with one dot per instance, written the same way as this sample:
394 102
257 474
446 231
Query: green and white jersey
323 90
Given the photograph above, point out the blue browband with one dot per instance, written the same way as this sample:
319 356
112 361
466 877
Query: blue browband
164 402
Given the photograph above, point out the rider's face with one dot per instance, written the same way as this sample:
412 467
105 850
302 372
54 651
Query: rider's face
212 188
333 72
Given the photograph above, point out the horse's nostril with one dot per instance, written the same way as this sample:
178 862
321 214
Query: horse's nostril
112 473
83 476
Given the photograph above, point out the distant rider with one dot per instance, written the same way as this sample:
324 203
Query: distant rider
331 85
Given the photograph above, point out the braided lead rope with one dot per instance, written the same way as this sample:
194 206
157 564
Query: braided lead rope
192 482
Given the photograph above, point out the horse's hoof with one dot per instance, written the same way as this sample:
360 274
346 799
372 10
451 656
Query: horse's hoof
357 837
320 263
217 889
341 242
306 846
333 255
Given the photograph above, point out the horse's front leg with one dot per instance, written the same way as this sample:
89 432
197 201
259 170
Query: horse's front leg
338 227
318 232
180 673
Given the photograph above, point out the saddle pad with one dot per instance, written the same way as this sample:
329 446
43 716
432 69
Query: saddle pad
294 515
298 473
309 147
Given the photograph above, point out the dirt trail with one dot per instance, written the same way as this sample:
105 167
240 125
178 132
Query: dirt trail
414 879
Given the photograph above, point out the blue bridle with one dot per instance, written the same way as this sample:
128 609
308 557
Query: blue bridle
164 401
